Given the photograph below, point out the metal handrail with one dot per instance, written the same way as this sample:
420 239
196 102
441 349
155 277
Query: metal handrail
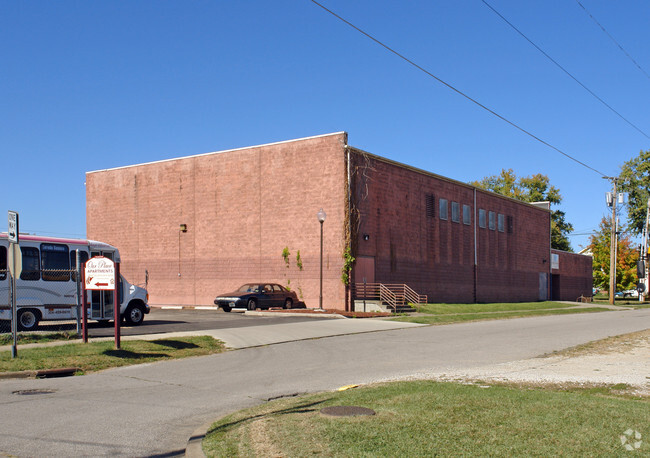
392 294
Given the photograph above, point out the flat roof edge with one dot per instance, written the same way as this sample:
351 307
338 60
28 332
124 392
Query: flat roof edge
443 178
218 152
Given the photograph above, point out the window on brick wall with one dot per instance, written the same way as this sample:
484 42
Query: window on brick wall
482 219
510 224
444 209
430 203
467 214
501 223
492 220
455 212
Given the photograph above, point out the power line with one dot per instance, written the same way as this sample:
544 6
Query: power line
459 92
614 40
564 69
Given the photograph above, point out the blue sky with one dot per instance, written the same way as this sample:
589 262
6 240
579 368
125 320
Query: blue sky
92 85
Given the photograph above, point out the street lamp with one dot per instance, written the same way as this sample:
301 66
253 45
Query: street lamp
321 219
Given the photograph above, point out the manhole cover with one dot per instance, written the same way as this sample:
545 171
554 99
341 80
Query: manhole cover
33 392
346 411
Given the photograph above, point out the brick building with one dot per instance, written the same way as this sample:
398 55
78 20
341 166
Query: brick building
203 225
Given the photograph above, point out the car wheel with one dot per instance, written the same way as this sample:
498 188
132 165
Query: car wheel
288 303
134 315
252 304
226 308
27 320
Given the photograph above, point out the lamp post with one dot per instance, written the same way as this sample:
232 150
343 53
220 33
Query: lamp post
321 219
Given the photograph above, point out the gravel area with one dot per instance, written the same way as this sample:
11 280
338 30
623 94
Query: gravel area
622 361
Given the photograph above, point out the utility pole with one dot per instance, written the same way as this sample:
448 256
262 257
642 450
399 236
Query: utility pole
612 200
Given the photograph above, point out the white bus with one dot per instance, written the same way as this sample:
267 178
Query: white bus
47 286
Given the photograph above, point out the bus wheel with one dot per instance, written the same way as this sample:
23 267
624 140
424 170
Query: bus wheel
134 315
28 319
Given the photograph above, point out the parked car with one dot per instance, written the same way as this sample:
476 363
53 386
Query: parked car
257 295
627 293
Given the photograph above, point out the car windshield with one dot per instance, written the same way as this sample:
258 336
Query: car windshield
249 288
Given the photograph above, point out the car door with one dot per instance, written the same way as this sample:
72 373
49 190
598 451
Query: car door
266 296
278 295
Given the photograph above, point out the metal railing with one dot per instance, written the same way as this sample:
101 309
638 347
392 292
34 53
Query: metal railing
393 295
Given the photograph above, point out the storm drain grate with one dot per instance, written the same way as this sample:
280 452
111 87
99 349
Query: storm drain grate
33 392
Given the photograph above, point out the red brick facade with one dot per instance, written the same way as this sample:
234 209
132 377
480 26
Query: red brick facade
572 276
452 258
243 207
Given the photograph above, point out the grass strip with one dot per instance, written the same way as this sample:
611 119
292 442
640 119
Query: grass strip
465 317
441 309
27 338
97 356
428 418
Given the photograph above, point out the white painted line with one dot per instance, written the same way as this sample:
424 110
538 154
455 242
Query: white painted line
172 307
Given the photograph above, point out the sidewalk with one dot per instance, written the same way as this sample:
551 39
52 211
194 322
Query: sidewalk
255 336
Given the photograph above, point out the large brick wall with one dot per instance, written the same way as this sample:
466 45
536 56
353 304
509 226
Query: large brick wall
241 208
412 244
573 276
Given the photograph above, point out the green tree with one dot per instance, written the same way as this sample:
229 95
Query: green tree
535 188
626 258
635 180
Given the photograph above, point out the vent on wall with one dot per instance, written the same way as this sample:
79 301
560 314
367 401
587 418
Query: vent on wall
431 205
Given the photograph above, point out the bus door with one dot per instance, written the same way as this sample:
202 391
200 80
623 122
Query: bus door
101 303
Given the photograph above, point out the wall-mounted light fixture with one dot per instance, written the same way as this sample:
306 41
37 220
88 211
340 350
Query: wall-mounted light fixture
366 236
183 227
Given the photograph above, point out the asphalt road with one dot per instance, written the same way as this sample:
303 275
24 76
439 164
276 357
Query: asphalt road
164 320
152 409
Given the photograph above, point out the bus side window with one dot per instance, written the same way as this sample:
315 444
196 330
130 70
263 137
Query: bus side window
3 263
55 262
31 264
83 257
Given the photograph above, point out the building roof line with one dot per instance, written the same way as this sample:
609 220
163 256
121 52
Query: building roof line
218 152
443 178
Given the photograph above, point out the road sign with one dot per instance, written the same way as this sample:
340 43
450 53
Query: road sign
12 230
100 274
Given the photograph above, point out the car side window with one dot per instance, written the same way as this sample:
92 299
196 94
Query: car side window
277 288
268 289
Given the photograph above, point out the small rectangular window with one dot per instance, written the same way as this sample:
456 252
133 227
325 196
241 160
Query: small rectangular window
83 257
501 220
3 263
31 264
430 205
467 215
444 209
481 218
455 212
511 224
493 221
55 262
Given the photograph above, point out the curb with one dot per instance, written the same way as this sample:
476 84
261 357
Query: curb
194 448
44 373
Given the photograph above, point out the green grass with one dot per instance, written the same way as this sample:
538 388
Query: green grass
27 338
440 309
102 355
458 313
436 419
